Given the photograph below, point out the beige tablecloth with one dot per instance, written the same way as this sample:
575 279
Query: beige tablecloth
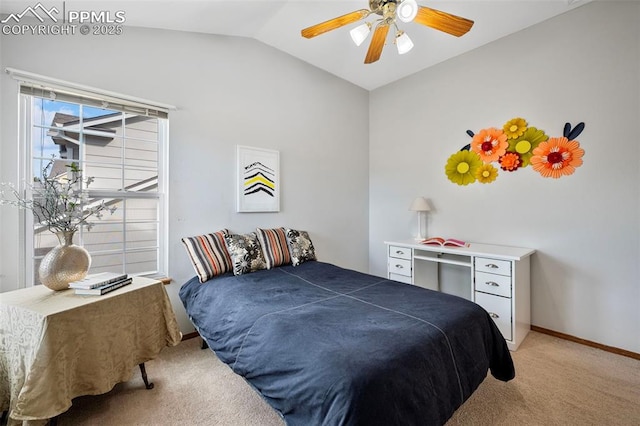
55 346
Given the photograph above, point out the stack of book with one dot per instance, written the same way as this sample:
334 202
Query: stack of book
101 283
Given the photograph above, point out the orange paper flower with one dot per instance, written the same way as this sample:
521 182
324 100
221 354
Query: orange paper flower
510 161
557 157
489 144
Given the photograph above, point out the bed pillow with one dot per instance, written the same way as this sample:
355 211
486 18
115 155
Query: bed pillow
245 251
208 254
274 246
300 246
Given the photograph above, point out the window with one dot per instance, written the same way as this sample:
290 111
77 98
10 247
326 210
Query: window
123 148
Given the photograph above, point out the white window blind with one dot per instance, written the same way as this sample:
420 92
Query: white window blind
48 87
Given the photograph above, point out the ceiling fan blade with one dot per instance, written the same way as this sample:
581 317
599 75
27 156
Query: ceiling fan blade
332 24
451 24
377 43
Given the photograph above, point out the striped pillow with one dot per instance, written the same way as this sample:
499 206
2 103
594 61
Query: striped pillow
208 254
274 246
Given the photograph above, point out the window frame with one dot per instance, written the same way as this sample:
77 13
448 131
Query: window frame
25 157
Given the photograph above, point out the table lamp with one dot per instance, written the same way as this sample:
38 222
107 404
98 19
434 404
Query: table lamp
420 204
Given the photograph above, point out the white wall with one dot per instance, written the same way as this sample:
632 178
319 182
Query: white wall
580 66
229 91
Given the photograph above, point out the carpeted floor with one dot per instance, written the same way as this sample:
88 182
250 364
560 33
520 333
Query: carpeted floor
557 383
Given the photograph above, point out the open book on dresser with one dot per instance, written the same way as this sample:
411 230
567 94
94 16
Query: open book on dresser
450 242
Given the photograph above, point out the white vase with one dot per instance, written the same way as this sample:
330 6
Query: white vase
65 263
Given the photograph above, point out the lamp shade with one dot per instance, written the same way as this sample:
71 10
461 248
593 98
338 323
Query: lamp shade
403 43
420 204
360 33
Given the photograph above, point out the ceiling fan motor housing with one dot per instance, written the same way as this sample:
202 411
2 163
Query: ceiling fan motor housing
386 8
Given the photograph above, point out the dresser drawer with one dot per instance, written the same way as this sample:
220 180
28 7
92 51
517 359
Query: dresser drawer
400 267
401 278
499 309
400 252
493 266
499 285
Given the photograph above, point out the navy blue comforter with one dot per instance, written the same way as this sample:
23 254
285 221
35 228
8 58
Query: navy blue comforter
330 346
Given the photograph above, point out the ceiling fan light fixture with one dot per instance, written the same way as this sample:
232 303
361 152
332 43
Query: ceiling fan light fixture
407 10
403 42
391 11
360 33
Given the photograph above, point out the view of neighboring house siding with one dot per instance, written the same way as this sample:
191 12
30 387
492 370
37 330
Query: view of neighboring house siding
120 152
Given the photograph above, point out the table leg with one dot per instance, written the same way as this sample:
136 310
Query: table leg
144 377
204 345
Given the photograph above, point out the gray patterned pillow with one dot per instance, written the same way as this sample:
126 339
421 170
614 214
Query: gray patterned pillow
245 251
300 246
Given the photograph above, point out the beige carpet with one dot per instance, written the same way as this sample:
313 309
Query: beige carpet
558 383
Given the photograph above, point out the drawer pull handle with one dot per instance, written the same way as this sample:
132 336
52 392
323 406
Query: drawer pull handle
491 265
399 266
492 284
494 315
399 252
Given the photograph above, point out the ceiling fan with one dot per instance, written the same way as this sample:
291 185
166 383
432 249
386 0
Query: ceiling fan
389 10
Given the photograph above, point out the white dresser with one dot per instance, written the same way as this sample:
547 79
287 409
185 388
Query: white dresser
498 278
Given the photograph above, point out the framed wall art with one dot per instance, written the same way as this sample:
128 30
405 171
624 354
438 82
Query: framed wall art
258 180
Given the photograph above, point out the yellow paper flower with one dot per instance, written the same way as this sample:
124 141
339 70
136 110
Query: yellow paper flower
525 144
486 173
515 127
489 144
557 157
462 166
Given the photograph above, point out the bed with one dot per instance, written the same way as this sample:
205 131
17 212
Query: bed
325 345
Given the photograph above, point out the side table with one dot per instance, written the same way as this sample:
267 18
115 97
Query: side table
55 346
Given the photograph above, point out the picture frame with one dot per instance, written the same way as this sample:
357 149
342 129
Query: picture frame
258 179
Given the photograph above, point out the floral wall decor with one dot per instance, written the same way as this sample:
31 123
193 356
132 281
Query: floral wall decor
513 147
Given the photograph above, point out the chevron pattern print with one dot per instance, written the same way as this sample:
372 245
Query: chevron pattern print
259 178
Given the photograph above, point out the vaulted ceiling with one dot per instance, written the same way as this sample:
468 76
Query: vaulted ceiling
278 23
